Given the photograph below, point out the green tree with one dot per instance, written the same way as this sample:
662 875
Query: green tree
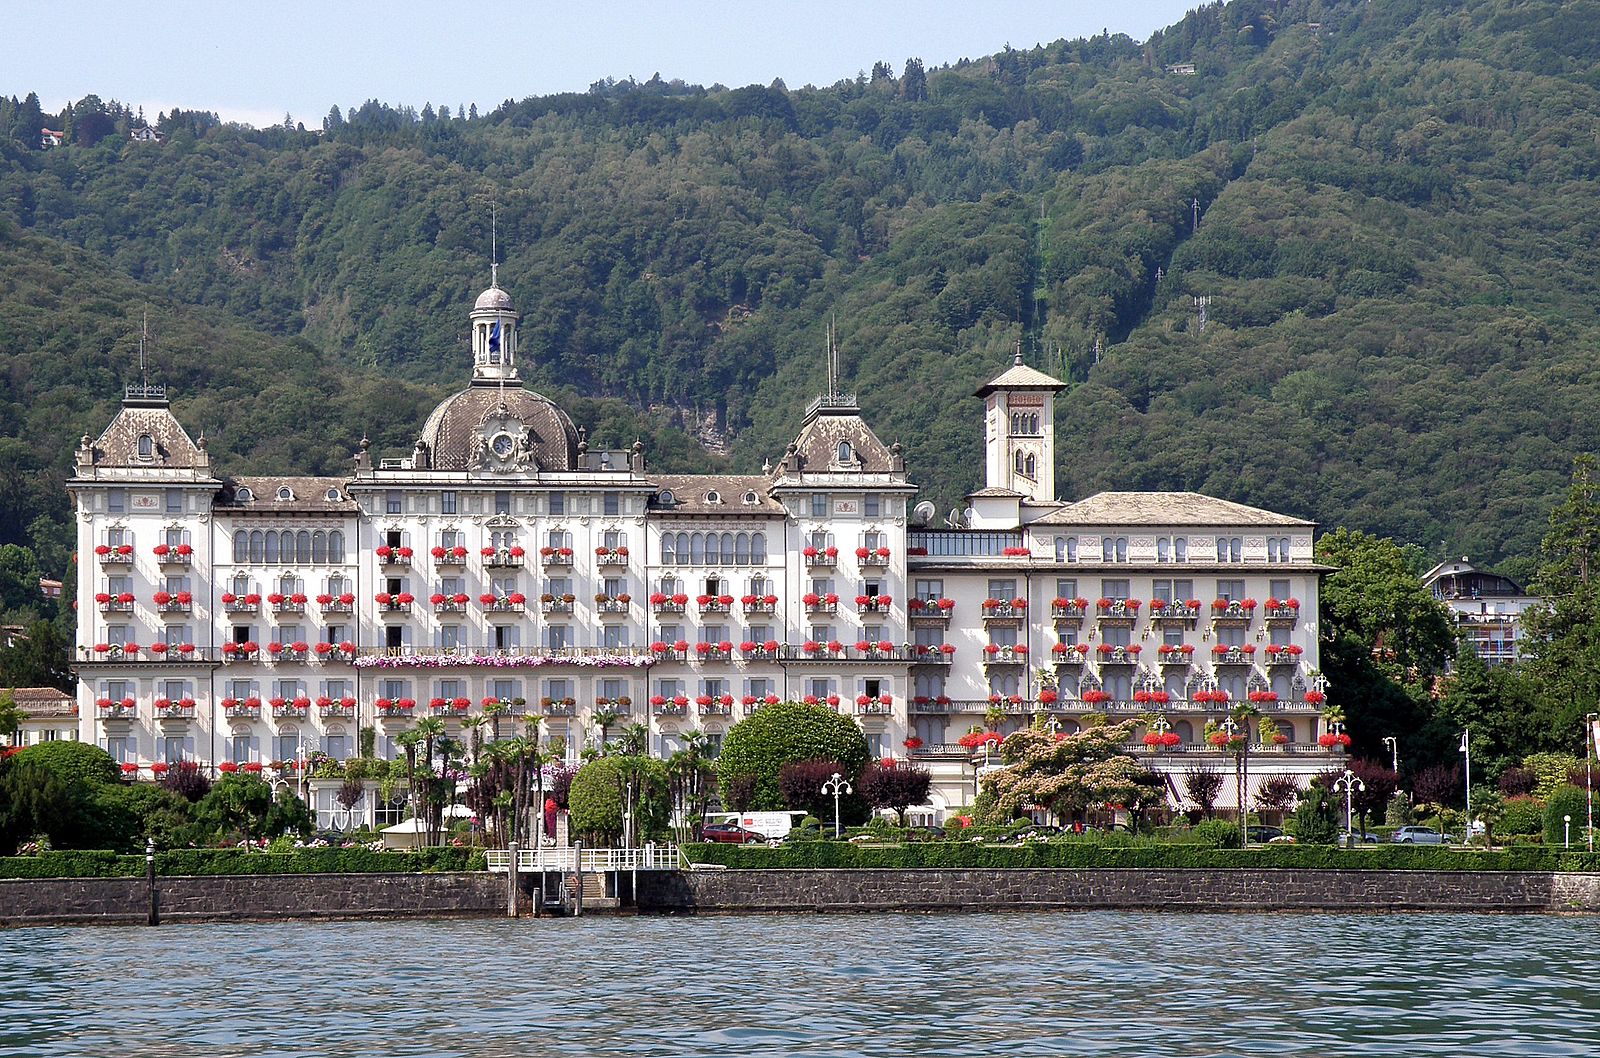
1565 800
37 659
236 807
1563 631
600 792
788 732
1068 775
1315 821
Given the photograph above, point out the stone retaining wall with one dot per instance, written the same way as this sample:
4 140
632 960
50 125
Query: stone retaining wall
215 898
776 890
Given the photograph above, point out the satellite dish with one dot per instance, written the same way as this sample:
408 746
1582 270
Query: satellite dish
953 519
922 514
967 516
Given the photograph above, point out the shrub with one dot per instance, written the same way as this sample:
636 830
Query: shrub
1518 782
763 742
1564 800
1314 823
1217 834
1523 815
1550 770
599 788
78 764
896 786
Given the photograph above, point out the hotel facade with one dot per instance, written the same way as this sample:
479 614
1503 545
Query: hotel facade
505 566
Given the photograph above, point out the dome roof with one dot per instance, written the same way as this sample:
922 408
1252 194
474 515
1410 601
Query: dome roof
461 431
493 298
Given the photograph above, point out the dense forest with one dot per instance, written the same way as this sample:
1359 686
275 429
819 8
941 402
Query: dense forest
1389 205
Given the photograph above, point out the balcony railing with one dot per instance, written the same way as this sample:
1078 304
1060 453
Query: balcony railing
1175 658
821 558
1180 612
168 654
1283 658
1117 655
822 606
1004 610
116 556
993 655
555 707
1244 655
1233 612
1282 613
610 557
1071 657
712 652
874 707
556 558
289 606
394 709
337 710
116 606
716 707
291 710
175 606
668 605
513 604
618 606
172 557
394 556
620 706
337 606
932 609
669 708
1118 609
449 557
923 654
242 710
879 604
180 710
874 559
503 559
759 604
1068 610
556 605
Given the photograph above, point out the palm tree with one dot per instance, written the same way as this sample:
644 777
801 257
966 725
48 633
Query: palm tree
429 731
494 711
1242 714
603 719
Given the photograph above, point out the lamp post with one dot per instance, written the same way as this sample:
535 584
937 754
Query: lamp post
1466 750
1052 726
1230 727
1350 785
1394 751
1566 831
1588 771
836 786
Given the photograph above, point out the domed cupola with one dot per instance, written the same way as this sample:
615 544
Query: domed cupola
494 335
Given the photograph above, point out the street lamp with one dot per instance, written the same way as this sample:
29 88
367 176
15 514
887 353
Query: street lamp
1350 784
1588 770
836 786
1052 725
1466 749
1566 831
1394 750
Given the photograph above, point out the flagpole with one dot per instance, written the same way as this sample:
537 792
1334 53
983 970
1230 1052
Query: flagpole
1466 748
1592 722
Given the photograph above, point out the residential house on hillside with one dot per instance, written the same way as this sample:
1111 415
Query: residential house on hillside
1486 606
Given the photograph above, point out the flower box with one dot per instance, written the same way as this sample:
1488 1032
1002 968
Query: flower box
714 603
759 604
827 604
874 603
930 609
610 556
393 556
503 558
232 603
872 558
606 605
556 556
1180 611
820 558
668 604
553 604
1236 611
994 654
1005 609
118 555
174 555
1118 609
753 651
1068 609
449 556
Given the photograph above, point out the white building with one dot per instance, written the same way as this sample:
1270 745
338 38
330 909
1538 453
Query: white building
1487 608
503 560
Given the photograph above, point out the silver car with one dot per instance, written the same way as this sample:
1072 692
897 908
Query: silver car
1420 836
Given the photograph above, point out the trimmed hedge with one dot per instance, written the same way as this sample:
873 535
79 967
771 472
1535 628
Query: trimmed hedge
1082 855
94 864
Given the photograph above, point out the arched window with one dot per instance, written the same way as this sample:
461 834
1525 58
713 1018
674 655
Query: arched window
669 549
285 492
337 585
241 546
258 552
1108 549
272 547
241 585
666 498
1031 468
302 546
332 494
741 548
1072 549
758 547
844 452
1018 462
1163 549
1016 423
336 546
727 549
319 546
1180 548
697 548
751 499
1272 549
713 497
147 446
1122 549
243 494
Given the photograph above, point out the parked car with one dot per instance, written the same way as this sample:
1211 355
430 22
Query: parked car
1420 836
1360 838
924 833
1262 834
730 834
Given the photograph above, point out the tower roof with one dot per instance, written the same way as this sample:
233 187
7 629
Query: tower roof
1020 376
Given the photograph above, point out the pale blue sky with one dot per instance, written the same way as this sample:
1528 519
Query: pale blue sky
256 61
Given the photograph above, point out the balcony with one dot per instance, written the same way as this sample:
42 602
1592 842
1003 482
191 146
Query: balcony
155 653
121 603
668 604
611 557
678 706
448 603
1182 613
813 651
1175 656
118 555
1285 612
551 604
759 604
558 707
240 653
181 604
391 557
170 556
1234 612
287 651
606 606
930 706
334 652
119 709
336 708
516 602
1068 655
714 604
1225 655
391 605
996 655
874 604
1005 610
1117 611
821 604
1107 654
926 654
722 651
449 706
292 604
241 708
872 558
752 651
1286 657
182 709
678 651
240 603
503 558
619 706
928 611
1068 611
341 604
395 707
291 709
449 556
820 558
556 557
719 706
881 705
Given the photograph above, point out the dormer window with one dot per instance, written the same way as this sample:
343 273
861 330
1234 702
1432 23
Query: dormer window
147 446
243 494
666 499
844 453
285 493
333 495
751 499
713 497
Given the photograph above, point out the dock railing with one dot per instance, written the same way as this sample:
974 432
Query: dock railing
594 861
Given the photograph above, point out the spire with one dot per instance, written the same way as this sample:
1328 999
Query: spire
1017 360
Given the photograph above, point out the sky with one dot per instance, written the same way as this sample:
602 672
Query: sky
257 62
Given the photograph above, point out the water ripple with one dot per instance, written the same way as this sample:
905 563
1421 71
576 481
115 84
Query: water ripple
952 986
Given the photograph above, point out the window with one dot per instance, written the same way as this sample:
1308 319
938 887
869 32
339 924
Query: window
1230 549
611 503
722 549
1277 549
751 499
558 503
872 506
332 495
1066 587
819 505
1116 590
713 497
557 637
1230 589
1003 589
614 636
147 446
1180 549
844 454
928 589
502 502
394 503
117 499
1066 549
666 498
174 501
285 492
1172 590
1163 549
447 502
1278 589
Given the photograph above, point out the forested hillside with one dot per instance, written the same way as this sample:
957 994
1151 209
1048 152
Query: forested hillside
1390 205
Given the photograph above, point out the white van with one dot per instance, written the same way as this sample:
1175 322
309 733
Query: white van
774 826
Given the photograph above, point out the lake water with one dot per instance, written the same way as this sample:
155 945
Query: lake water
1083 984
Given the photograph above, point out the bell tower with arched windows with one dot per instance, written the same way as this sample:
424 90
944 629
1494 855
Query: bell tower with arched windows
494 335
1019 410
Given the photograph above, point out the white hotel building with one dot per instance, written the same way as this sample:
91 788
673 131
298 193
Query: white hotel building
502 560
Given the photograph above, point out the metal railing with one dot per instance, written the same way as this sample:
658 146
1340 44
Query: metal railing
566 859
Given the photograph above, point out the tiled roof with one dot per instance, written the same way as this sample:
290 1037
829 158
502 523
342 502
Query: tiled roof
1165 508
1020 376
118 445
452 427
689 494
817 446
310 494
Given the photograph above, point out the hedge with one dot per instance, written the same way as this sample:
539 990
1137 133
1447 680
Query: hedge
94 864
936 854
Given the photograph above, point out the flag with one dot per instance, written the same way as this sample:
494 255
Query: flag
1594 735
494 337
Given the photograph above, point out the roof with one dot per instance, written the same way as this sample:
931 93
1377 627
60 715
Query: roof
43 701
1166 508
310 494
1465 569
816 449
494 298
457 430
689 494
995 491
118 444
1020 376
